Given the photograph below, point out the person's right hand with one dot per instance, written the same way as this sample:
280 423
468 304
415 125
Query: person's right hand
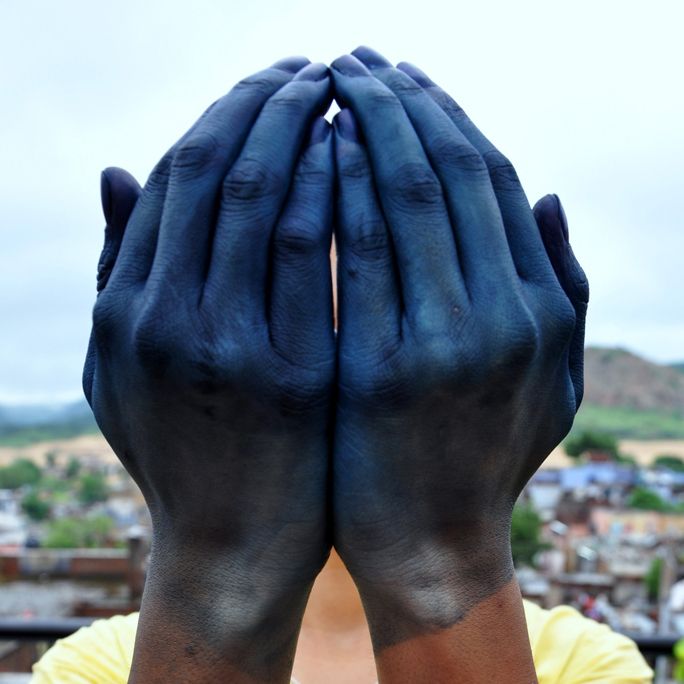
456 377
211 370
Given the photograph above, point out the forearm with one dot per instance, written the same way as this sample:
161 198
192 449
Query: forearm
205 618
490 644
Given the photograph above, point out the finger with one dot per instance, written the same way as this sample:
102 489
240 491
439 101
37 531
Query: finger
197 172
410 195
472 205
253 194
523 237
301 317
119 192
369 301
553 229
140 243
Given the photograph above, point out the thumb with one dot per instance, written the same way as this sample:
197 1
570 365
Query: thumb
119 192
553 228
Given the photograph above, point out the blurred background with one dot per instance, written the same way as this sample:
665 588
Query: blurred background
585 98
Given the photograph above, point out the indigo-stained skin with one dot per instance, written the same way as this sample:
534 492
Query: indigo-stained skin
461 325
212 361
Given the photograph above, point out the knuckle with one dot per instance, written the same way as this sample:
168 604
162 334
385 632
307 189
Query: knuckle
257 84
413 184
297 235
105 314
251 180
459 154
286 102
372 243
501 171
195 154
559 319
160 173
353 167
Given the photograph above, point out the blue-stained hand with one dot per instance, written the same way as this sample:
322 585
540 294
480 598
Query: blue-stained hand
212 358
461 324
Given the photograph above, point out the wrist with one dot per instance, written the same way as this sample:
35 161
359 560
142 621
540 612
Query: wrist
208 614
432 588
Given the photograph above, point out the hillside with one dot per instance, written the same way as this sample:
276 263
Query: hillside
616 377
631 397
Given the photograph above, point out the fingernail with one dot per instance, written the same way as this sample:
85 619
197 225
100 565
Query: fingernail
348 65
347 126
291 64
106 196
371 58
563 218
416 74
320 130
312 72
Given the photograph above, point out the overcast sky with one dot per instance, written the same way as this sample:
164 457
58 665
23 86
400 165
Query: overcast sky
585 97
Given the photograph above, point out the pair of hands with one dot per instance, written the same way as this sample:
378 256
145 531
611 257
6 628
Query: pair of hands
258 436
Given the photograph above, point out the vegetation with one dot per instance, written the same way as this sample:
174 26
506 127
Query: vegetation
629 423
652 579
647 500
581 443
73 533
92 488
674 463
525 532
20 472
36 506
21 436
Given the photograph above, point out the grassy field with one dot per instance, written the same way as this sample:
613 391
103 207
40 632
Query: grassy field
25 436
627 423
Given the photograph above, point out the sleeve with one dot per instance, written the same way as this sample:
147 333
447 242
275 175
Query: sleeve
570 649
99 654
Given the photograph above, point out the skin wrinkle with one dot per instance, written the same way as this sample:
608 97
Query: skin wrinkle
439 419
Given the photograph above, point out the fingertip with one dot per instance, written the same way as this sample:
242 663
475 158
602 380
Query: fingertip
291 64
106 196
320 131
348 65
346 126
371 58
313 72
550 215
119 191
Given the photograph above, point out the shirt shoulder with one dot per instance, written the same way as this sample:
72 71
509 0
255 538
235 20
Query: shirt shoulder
570 649
98 654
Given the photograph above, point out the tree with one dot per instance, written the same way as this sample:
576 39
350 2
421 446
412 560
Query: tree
576 446
652 578
525 530
92 488
20 472
35 506
646 500
74 533
674 463
73 468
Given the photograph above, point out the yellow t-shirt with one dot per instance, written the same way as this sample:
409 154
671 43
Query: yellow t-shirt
567 649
